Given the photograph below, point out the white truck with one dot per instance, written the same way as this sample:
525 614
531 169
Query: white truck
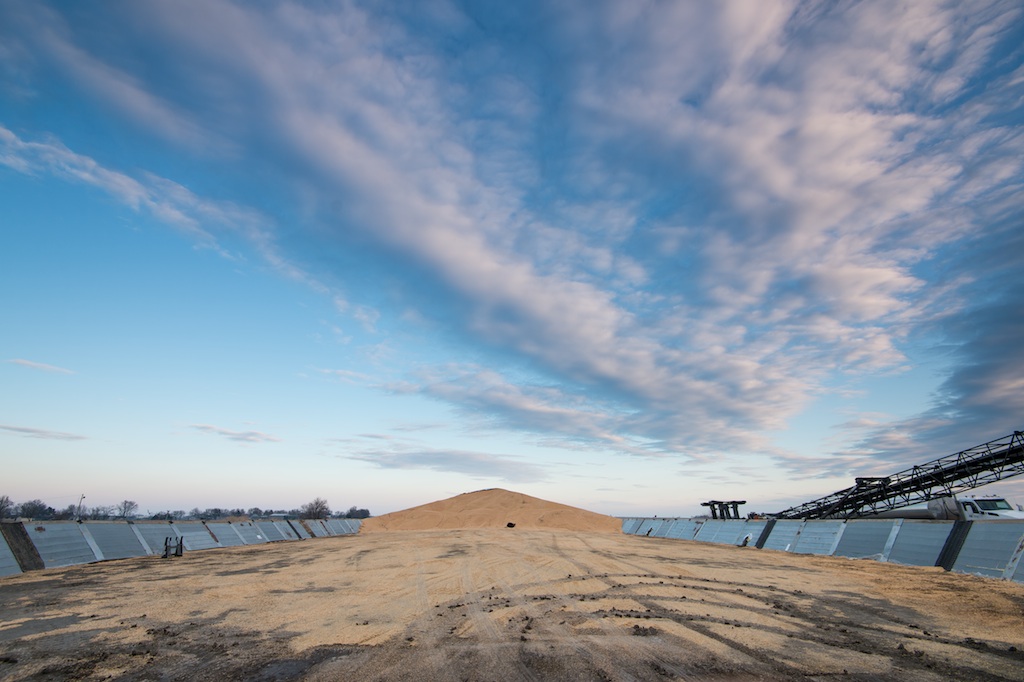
989 508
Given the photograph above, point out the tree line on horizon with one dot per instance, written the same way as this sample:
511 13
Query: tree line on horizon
37 510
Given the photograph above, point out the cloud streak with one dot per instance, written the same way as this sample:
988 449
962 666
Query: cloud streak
672 251
43 434
41 366
477 465
832 190
164 199
237 436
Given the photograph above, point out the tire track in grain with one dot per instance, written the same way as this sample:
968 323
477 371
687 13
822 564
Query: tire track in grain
490 638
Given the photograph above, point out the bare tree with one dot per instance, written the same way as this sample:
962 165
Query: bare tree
35 509
101 513
5 506
68 513
127 508
356 513
317 509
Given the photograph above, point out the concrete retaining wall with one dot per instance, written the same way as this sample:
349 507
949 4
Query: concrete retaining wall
250 532
270 531
784 535
344 526
919 543
196 536
300 530
8 564
317 528
61 543
730 531
819 538
868 539
154 534
225 534
629 526
50 544
683 529
114 540
991 548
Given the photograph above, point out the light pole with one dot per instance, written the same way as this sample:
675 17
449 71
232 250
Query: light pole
80 507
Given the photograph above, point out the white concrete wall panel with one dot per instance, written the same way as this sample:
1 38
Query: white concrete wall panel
270 531
919 543
250 532
60 543
318 528
154 534
684 529
225 534
195 536
630 525
300 529
865 539
286 530
784 535
729 531
989 548
819 537
115 539
8 563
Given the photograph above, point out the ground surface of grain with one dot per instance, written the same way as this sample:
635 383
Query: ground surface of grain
506 604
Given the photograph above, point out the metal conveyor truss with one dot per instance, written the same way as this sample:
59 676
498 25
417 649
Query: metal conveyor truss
986 463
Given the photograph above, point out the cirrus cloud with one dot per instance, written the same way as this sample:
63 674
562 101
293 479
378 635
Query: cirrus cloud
663 229
238 436
41 366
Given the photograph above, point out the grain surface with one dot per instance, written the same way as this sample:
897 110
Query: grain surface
507 603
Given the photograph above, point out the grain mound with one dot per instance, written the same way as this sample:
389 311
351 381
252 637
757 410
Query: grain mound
494 508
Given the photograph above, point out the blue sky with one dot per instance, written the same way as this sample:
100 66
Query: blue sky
626 256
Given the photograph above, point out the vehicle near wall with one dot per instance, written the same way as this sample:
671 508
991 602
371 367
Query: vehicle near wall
973 508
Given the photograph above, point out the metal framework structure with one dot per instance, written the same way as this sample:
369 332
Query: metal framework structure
724 510
986 463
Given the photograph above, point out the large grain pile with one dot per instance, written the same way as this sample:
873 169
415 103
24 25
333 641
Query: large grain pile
494 508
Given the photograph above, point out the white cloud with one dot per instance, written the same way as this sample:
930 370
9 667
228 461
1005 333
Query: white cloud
367 317
42 31
208 222
800 167
166 200
44 434
347 376
239 436
42 366
840 153
475 464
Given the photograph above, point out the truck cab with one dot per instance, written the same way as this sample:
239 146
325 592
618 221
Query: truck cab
974 508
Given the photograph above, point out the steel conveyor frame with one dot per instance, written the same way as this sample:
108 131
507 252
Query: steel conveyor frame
995 460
